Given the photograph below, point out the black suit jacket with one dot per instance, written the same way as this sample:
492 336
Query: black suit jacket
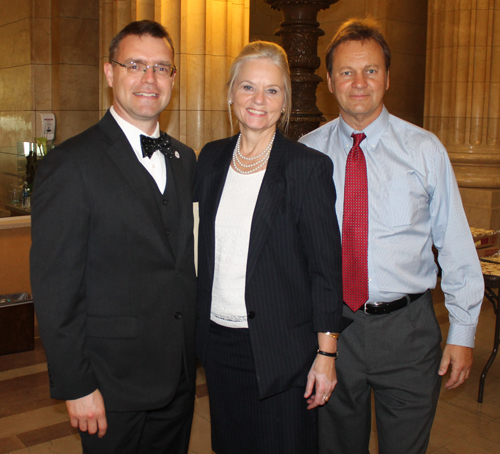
115 301
293 278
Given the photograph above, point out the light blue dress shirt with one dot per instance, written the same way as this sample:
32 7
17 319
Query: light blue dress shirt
413 203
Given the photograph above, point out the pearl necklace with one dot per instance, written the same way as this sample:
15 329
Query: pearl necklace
254 166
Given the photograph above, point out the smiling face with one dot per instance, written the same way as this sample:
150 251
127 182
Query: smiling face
258 95
139 99
359 81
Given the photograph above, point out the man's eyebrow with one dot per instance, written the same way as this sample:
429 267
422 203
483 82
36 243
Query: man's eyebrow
343 68
371 65
140 60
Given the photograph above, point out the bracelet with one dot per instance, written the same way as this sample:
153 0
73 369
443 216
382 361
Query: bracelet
334 335
331 355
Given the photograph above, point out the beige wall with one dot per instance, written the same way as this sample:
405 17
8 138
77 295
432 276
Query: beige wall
462 105
51 49
264 21
207 34
404 24
74 65
16 88
49 62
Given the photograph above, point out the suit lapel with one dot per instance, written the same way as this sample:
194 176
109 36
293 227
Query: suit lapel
122 154
270 196
183 187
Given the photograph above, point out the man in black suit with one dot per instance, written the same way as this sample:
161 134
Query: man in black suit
112 262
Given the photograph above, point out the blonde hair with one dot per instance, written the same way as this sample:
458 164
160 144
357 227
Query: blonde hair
277 55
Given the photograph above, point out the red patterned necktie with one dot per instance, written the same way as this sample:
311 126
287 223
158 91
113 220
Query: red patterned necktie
355 228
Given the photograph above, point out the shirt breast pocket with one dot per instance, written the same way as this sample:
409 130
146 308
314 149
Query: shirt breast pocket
401 201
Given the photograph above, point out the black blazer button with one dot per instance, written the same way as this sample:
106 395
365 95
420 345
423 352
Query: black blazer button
167 232
178 315
251 314
164 202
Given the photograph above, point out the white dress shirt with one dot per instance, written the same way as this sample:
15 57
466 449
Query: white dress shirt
156 166
413 203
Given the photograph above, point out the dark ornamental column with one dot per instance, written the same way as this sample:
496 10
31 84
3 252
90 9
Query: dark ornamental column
299 33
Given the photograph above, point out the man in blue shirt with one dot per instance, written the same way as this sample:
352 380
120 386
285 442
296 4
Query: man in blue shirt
413 203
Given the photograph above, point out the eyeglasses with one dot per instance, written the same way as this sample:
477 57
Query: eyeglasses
137 69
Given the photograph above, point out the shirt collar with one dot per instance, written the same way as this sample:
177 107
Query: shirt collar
132 132
373 131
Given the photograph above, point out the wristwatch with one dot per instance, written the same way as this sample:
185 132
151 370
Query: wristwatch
330 355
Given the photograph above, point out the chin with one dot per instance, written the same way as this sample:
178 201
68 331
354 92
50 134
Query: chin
150 112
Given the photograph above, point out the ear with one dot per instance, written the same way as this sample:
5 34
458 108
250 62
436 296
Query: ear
329 81
387 83
108 71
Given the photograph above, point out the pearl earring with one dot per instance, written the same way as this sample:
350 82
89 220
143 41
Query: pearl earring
230 102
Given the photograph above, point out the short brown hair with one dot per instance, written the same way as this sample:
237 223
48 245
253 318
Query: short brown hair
276 54
358 29
140 28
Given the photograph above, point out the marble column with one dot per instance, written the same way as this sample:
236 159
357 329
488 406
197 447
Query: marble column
462 99
207 35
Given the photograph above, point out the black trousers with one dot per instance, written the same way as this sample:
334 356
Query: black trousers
241 422
160 431
396 356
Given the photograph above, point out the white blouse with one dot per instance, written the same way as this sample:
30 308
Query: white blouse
232 237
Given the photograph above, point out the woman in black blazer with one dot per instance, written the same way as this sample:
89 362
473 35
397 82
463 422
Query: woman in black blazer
270 286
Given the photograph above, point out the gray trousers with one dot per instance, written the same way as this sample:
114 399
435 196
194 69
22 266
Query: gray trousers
396 355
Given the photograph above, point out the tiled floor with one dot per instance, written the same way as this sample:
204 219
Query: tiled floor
31 422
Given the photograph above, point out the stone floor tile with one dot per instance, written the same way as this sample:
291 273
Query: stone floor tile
32 420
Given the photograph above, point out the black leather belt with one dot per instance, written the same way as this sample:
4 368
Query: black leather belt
391 306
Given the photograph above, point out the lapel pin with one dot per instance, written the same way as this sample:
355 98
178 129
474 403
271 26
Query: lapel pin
177 155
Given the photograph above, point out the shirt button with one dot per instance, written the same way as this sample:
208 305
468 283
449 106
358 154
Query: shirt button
164 202
251 314
178 315
154 166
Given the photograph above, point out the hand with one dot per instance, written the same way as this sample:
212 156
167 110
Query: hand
88 414
324 376
460 359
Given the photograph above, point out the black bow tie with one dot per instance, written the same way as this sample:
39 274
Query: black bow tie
161 144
